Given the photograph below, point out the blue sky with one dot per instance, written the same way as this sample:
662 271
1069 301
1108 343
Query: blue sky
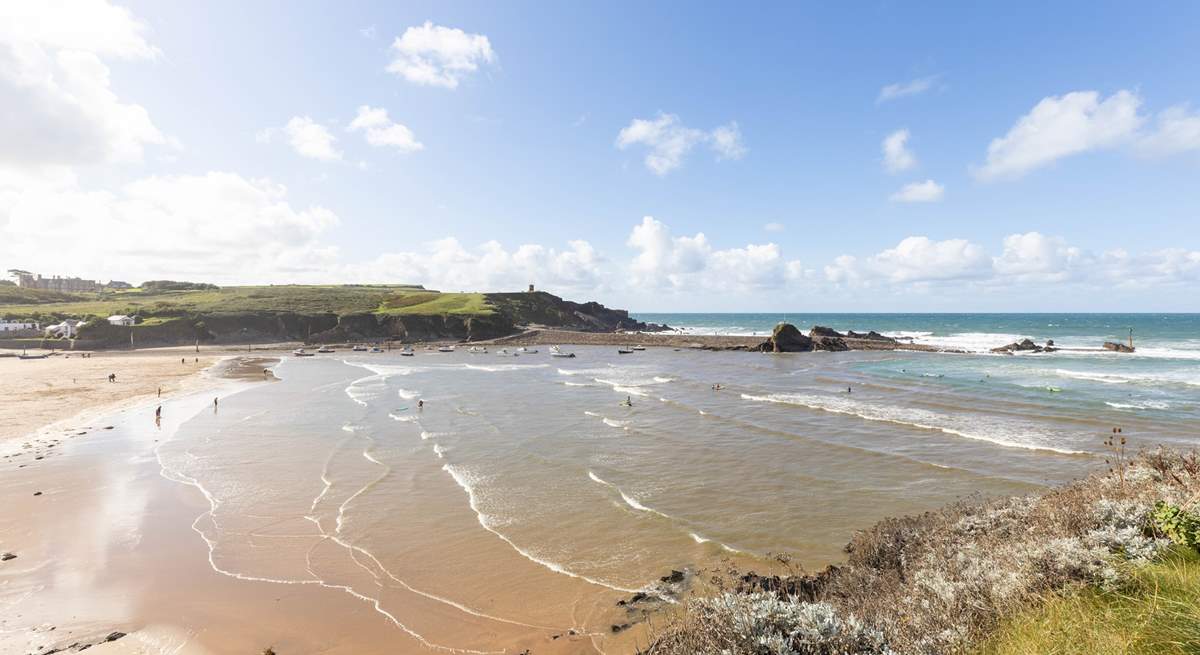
1050 153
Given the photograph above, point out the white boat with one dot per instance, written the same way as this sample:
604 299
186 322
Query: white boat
406 352
555 351
376 349
639 347
325 349
527 351
300 352
359 348
624 351
477 349
445 349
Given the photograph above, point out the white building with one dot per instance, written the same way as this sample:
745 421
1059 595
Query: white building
67 328
120 319
14 326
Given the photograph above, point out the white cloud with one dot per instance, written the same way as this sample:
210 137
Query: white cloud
1177 130
727 141
927 191
311 139
381 131
1060 126
368 32
896 155
669 141
448 265
774 227
439 56
58 104
1034 256
915 259
218 226
691 263
902 89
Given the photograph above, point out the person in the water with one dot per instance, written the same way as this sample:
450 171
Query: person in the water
628 401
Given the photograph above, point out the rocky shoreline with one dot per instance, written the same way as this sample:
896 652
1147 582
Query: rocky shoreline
785 338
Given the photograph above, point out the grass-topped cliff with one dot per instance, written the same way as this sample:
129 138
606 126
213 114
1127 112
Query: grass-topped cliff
305 312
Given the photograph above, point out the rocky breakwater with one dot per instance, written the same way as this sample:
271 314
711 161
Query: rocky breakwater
1118 347
786 338
1025 345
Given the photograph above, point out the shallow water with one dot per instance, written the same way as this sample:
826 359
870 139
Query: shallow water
526 478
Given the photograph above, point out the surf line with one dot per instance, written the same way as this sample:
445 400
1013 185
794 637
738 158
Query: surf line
354 549
553 566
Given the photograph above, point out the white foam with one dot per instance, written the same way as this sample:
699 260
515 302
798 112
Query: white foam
661 379
439 451
1002 433
1145 404
1130 378
705 540
407 418
500 368
408 394
575 384
615 424
463 479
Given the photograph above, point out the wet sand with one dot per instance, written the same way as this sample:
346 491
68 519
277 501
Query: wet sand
107 544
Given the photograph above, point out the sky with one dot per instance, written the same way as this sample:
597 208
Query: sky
653 156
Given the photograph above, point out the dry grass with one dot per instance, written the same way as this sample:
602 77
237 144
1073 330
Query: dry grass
943 581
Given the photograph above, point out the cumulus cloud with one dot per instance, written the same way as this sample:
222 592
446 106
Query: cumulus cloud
927 191
896 155
439 56
311 139
1177 130
664 261
381 131
1061 126
59 105
1034 256
909 88
917 259
669 141
218 226
449 265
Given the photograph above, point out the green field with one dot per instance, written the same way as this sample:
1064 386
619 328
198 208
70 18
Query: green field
336 299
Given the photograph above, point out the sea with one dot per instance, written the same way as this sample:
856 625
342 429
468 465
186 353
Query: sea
494 490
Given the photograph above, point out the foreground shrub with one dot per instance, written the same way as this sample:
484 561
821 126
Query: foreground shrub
942 582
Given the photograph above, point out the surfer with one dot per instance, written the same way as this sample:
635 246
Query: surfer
848 389
421 404
717 387
628 402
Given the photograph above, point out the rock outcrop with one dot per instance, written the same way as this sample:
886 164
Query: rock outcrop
1118 347
822 331
871 335
1025 345
785 338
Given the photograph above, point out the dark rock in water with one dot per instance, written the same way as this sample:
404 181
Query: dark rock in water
1024 345
872 335
113 636
785 338
7 556
1049 343
822 331
1117 347
675 577
638 597
831 344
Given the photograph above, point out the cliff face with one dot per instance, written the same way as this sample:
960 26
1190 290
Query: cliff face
541 308
509 310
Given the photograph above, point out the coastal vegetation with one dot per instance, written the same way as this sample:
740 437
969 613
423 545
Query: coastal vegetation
1108 564
168 312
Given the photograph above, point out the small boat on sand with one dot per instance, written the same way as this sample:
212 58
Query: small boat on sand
527 351
325 349
475 350
300 352
445 349
360 348
555 351
407 351
44 356
376 349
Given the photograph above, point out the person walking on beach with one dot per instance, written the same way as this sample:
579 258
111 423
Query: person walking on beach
158 413
160 392
214 405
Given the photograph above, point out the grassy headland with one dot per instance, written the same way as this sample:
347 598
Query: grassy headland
320 313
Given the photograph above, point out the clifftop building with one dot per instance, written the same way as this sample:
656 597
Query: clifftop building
61 284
